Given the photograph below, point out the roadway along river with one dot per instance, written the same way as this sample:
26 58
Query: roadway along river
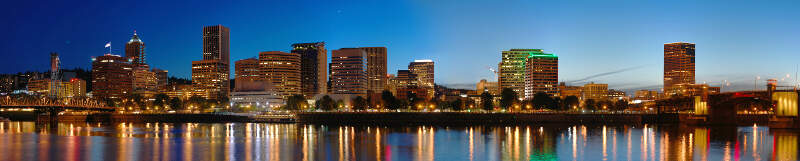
263 141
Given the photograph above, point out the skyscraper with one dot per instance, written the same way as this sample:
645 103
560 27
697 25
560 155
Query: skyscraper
112 76
314 67
134 50
541 74
376 68
248 69
348 75
678 64
282 70
216 43
424 71
210 76
162 78
512 69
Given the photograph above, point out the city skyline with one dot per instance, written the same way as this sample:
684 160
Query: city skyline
583 51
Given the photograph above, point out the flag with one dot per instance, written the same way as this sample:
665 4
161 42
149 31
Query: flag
108 44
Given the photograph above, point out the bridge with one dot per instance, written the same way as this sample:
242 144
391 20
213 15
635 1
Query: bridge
51 107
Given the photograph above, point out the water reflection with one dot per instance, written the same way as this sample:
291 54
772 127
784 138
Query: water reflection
255 141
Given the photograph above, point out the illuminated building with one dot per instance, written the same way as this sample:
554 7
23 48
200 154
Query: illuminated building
247 69
63 89
616 95
565 91
486 86
691 90
594 91
162 79
216 43
112 76
541 74
282 70
255 93
210 79
348 72
376 68
39 86
512 70
210 76
134 50
424 71
144 81
78 87
313 67
679 64
645 95
180 91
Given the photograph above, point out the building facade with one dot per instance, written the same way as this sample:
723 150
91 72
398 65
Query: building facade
313 68
282 70
597 92
210 76
348 72
376 68
162 79
144 81
541 74
112 77
424 71
679 64
486 86
134 50
511 72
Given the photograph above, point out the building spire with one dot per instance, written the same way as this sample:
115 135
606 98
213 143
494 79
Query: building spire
135 38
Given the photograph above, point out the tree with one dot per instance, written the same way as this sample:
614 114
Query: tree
197 102
359 103
590 104
138 101
507 98
295 102
457 105
175 103
486 101
389 101
569 102
542 101
160 100
412 100
620 105
326 103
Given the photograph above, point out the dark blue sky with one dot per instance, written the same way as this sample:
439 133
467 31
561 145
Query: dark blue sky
736 40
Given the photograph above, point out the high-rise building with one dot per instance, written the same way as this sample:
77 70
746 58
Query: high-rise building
216 43
594 91
144 81
210 79
376 68
162 78
282 70
313 67
424 71
112 76
247 69
541 74
348 72
511 72
679 64
210 76
134 50
78 87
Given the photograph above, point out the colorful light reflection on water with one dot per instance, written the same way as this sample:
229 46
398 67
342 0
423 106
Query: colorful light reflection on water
259 141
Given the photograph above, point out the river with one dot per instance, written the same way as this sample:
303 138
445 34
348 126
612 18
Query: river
265 141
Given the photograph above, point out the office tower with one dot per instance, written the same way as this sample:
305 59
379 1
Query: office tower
144 81
511 72
216 43
210 76
162 78
424 71
406 79
348 75
541 74
247 69
376 68
112 76
282 70
134 50
678 64
594 91
78 87
314 67
210 79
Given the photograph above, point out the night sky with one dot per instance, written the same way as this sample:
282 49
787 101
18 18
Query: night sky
736 40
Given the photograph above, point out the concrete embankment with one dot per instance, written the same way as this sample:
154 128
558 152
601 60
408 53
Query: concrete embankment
165 118
477 118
